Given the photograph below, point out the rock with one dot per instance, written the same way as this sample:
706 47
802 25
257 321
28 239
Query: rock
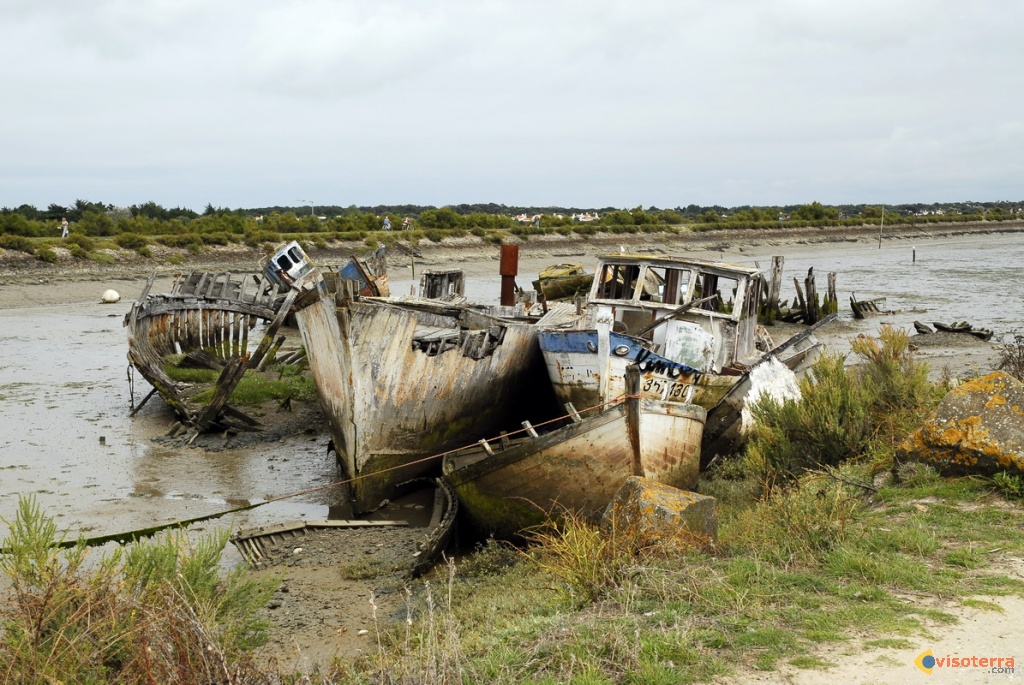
977 428
652 513
110 297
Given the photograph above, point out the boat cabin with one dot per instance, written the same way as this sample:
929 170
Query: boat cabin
696 312
288 265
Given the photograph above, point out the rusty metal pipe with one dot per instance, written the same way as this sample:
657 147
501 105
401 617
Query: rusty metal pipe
508 268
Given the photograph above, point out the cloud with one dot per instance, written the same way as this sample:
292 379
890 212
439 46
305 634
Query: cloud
599 103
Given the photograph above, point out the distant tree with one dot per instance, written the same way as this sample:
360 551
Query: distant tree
95 223
815 212
439 218
617 217
709 216
15 223
871 212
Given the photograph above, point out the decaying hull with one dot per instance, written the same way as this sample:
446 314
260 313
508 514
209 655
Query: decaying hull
505 486
401 383
403 380
206 317
689 325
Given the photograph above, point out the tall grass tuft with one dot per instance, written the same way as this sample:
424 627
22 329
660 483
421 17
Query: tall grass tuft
156 613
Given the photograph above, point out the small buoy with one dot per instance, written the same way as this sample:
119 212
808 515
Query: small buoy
110 296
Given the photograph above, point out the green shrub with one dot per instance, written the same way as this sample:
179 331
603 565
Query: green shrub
158 612
1011 357
144 251
47 255
845 413
77 251
102 257
827 425
175 259
17 242
1012 486
84 242
131 241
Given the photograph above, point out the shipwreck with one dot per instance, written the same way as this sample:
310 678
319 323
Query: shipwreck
402 380
204 321
690 325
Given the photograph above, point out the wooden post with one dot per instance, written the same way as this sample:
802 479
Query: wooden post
800 296
812 298
775 285
633 416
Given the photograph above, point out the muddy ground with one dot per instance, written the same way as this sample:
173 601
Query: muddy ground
323 608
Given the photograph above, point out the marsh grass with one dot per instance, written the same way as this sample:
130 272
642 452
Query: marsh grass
154 612
280 382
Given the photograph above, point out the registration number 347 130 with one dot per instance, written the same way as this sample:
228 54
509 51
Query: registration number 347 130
668 390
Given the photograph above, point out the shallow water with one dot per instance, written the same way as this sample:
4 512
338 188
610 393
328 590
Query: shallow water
64 387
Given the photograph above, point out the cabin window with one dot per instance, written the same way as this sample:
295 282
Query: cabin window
295 255
712 284
284 263
617 281
665 285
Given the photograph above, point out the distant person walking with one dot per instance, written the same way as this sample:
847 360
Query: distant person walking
387 224
64 227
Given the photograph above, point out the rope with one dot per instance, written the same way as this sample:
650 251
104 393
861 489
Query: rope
139 533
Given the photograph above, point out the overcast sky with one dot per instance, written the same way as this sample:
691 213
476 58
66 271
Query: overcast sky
582 103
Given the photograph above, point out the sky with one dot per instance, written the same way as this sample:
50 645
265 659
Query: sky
572 103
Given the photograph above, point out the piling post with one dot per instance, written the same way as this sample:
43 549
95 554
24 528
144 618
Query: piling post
509 269
633 416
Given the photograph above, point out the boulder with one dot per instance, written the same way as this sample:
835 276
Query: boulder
654 514
977 428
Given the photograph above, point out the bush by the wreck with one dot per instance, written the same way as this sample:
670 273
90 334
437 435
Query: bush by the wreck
1011 357
159 612
844 412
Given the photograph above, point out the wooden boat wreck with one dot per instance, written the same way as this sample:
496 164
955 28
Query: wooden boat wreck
204 321
271 544
404 379
512 483
863 309
691 327
563 281
982 334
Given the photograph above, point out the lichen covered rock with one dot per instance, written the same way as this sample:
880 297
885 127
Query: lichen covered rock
654 514
977 428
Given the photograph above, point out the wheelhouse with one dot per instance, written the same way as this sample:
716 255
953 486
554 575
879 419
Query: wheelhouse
701 313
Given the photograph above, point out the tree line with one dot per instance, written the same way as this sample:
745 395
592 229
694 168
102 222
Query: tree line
97 219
